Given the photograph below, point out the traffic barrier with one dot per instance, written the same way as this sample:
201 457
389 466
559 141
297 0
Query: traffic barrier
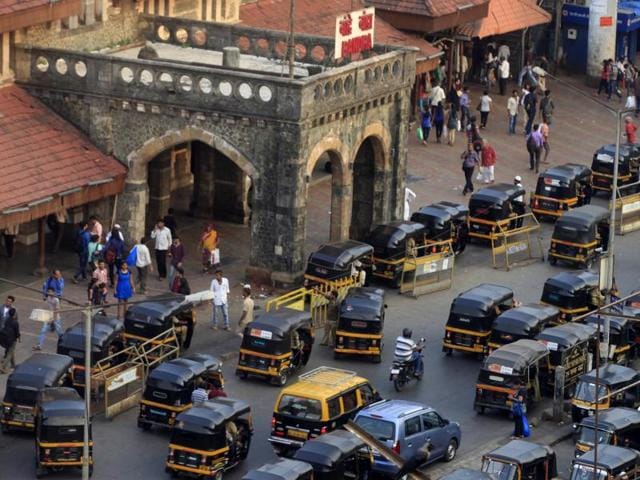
515 242
428 269
627 208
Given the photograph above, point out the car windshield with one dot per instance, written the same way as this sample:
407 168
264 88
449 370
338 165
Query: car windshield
584 472
381 429
586 392
300 407
588 435
502 471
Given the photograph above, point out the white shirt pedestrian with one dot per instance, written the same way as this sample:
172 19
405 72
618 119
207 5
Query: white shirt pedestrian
504 69
163 239
512 105
409 196
220 289
437 95
143 256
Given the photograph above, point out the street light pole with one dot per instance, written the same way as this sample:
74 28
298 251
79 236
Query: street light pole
87 393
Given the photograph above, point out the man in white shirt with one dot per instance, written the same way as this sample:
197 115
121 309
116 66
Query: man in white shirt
143 264
247 310
408 351
437 95
409 196
162 235
504 69
220 289
512 108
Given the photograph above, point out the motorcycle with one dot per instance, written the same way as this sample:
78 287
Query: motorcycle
404 372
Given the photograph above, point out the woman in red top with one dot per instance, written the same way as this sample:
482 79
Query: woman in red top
488 162
604 77
630 130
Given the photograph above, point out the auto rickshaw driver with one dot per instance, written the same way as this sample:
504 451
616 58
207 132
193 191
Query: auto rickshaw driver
297 347
231 432
518 203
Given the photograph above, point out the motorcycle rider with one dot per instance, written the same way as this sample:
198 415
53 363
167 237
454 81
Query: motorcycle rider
407 351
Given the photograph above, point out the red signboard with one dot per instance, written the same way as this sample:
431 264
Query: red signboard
354 32
606 21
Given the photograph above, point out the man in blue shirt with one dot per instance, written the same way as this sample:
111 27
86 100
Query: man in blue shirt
55 282
81 246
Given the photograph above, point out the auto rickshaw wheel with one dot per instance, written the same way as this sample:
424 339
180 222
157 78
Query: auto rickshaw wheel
90 470
480 410
451 451
553 260
144 426
4 428
281 379
243 375
448 351
376 358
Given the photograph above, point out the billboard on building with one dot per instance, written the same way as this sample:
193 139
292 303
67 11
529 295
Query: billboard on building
354 32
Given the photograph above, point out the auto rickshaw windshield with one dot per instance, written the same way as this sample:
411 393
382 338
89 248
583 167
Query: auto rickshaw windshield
503 471
586 392
551 187
585 472
300 407
587 435
22 396
198 441
62 433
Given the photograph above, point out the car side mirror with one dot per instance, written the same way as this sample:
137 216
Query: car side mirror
446 421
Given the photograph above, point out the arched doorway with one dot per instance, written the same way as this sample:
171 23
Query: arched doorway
368 188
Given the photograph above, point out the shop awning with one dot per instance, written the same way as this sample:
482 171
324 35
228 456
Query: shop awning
47 163
506 16
17 14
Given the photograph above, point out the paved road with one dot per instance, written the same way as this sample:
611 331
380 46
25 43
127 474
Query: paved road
124 452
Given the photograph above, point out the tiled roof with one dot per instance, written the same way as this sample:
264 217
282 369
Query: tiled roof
427 8
42 154
315 17
11 6
506 16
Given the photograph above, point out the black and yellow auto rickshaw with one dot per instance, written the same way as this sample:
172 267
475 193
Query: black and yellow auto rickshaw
445 221
519 361
622 337
525 321
602 166
611 463
338 454
283 469
392 243
561 188
611 378
168 388
492 210
157 315
361 324
468 474
572 293
60 431
471 316
107 339
210 439
521 460
617 426
39 371
571 346
276 344
580 236
337 261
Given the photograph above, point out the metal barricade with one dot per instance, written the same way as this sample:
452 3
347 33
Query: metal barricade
428 269
515 242
627 208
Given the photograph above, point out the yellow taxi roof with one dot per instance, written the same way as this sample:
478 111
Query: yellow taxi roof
323 382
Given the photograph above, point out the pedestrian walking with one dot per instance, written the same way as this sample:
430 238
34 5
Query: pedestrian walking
546 146
630 130
113 251
144 265
81 247
220 289
9 338
452 125
409 196
512 109
485 108
454 96
9 234
503 74
208 245
535 143
171 223
518 408
423 103
469 162
176 258
124 288
613 79
465 106
94 253
95 227
101 275
488 162
247 310
162 236
53 325
436 96
603 85
180 284
97 292
425 126
547 107
333 311
55 282
115 231
438 121
5 310
530 103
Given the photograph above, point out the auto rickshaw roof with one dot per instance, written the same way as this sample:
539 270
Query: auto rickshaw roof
328 449
615 418
281 322
285 469
566 335
363 303
583 217
609 457
441 212
390 234
40 370
498 193
478 300
176 372
104 330
339 255
517 320
611 374
610 151
616 324
521 452
514 357
208 361
211 414
567 172
158 307
468 474
573 281
61 406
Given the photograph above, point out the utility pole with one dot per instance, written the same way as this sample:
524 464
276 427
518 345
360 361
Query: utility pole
557 33
86 450
603 18
292 43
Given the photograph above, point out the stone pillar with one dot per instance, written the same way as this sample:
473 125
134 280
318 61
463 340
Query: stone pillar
131 209
5 68
341 199
151 7
89 12
70 22
603 16
161 8
170 8
203 159
159 187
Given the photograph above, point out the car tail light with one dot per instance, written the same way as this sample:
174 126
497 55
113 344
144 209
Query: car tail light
273 362
535 203
396 447
323 430
448 334
170 457
479 391
273 422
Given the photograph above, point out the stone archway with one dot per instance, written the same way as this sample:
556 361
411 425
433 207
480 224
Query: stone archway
340 183
132 203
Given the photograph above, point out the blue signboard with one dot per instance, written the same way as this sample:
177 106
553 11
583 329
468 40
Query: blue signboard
628 21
